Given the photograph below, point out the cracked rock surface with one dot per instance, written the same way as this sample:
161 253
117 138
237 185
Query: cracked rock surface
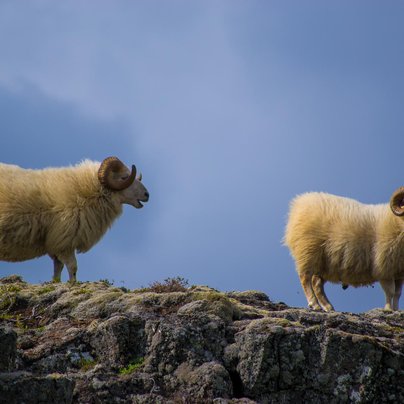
96 343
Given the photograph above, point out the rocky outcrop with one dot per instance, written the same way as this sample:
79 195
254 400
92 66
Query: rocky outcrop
96 343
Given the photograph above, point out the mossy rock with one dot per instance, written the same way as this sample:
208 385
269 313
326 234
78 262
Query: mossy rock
12 279
210 303
249 295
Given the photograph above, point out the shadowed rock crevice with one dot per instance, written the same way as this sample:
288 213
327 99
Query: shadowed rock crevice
237 383
95 343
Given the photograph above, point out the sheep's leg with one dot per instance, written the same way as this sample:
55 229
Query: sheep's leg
318 288
57 268
305 280
389 291
398 283
70 261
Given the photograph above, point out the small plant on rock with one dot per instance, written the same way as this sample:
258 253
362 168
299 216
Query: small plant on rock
176 284
86 364
107 282
132 367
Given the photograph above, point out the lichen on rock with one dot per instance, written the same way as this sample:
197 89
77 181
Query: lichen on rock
95 343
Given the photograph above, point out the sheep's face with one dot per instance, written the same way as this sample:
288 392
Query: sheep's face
135 194
114 175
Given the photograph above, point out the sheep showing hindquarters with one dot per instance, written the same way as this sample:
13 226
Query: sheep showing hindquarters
58 211
341 240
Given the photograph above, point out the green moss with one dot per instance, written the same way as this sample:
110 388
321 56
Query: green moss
218 304
132 367
10 288
8 295
86 364
82 291
283 322
211 296
16 319
394 329
46 289
5 316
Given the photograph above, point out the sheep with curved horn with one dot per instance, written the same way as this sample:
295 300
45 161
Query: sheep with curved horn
341 240
58 211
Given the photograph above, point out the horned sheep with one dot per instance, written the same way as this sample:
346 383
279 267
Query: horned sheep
58 211
340 240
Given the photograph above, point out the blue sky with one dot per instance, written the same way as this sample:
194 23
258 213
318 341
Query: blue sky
229 108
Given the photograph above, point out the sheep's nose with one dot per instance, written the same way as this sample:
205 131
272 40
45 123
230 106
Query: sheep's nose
146 195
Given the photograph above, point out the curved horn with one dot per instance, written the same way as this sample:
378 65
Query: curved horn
397 202
111 171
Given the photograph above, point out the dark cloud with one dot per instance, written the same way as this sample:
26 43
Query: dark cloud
39 131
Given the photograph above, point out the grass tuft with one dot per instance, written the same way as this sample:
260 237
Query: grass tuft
107 282
132 367
176 284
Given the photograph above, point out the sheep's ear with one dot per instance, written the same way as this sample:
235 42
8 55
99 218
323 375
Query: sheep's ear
397 202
